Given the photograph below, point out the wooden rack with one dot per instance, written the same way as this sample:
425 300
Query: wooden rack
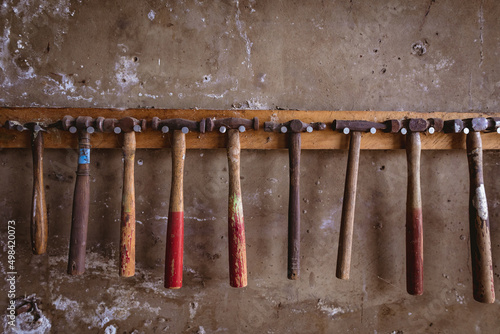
327 139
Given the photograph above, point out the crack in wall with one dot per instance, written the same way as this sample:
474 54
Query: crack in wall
481 28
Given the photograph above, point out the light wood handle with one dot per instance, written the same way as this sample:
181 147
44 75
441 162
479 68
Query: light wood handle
236 226
348 207
414 227
480 243
127 226
294 208
175 228
39 221
81 202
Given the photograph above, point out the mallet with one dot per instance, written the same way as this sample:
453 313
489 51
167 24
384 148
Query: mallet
236 226
480 242
81 198
355 128
39 222
175 228
414 225
294 127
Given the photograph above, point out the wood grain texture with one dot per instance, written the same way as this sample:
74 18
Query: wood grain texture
480 242
81 203
348 208
327 139
39 221
175 228
127 227
414 226
236 226
294 208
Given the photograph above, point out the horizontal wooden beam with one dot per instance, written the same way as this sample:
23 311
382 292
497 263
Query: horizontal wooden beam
326 139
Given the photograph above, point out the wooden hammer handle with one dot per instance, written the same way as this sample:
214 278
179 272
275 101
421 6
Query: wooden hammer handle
175 228
414 227
236 226
81 198
482 265
348 208
39 222
127 226
294 208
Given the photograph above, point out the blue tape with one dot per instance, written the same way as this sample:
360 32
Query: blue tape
84 157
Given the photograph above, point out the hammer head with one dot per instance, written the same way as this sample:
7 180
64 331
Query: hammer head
453 126
184 125
493 124
476 124
392 126
14 125
83 123
241 124
129 124
106 124
294 126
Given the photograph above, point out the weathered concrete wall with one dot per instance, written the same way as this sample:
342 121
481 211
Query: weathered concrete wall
330 55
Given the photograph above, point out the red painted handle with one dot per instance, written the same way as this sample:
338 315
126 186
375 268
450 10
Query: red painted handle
414 227
236 226
175 227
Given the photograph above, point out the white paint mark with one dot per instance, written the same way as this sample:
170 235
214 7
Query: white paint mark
151 15
331 310
480 203
243 34
126 72
217 96
201 330
207 78
111 329
193 306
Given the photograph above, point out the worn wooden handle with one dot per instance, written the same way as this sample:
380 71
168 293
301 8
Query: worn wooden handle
294 208
175 228
236 226
39 221
414 227
127 227
480 243
348 207
80 218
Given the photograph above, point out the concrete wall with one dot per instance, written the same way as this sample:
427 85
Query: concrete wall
312 55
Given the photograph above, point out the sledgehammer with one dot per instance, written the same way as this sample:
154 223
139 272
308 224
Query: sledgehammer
348 205
236 226
295 127
175 228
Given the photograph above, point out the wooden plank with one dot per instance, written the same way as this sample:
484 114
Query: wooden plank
326 139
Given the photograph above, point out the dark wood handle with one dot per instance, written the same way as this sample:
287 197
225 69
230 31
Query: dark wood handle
175 228
39 222
294 208
236 225
348 208
127 226
80 218
480 243
414 227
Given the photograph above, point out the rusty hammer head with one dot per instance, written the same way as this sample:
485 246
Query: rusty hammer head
224 124
14 125
130 124
475 124
455 126
293 126
493 124
32 126
431 125
82 123
184 125
391 126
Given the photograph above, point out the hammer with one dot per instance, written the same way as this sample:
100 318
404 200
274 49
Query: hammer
348 205
414 226
175 228
129 126
295 127
236 226
39 222
480 243
81 198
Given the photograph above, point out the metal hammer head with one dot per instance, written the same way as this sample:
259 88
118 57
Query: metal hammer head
431 125
476 124
224 124
130 124
184 125
83 123
454 126
493 124
106 125
293 126
392 126
14 125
